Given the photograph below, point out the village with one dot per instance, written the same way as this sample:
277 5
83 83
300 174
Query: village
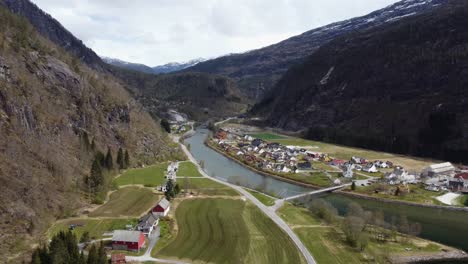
303 163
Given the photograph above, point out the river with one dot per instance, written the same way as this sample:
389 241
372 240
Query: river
440 225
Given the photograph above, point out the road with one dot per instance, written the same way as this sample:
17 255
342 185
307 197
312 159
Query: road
269 211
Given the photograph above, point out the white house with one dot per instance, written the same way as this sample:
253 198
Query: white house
439 170
147 224
370 167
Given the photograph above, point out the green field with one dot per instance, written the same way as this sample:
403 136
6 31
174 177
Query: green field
267 136
188 169
266 200
129 201
206 186
294 215
228 231
328 244
149 176
417 194
95 227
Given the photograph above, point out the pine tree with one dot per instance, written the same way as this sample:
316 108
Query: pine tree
96 179
353 186
120 159
102 257
127 159
36 258
93 145
169 190
109 160
165 125
99 156
92 255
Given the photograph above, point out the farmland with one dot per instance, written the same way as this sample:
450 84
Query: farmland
327 243
95 227
149 176
264 199
228 231
129 201
187 168
206 186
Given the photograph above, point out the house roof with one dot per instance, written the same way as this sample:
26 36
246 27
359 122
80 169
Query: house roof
118 257
147 221
164 203
126 236
463 176
442 167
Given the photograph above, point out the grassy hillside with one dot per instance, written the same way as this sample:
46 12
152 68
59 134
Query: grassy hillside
52 109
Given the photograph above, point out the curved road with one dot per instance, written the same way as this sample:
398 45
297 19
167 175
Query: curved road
270 212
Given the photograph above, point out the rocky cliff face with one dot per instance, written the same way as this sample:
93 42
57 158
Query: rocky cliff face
401 87
48 102
257 71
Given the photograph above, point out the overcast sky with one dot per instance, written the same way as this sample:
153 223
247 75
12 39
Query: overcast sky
155 32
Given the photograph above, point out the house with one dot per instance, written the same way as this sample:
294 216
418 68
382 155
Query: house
439 170
306 165
147 224
256 142
357 160
118 258
459 182
337 162
397 174
348 171
128 240
370 167
162 208
221 135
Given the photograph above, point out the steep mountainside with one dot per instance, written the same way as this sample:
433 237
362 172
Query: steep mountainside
257 71
135 81
51 108
401 87
201 96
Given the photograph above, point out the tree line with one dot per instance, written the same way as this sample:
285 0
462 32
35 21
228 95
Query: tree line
102 165
63 249
360 226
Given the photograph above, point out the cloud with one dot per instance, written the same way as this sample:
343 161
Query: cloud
154 32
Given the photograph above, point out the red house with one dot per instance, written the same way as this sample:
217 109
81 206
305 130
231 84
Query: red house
162 208
128 240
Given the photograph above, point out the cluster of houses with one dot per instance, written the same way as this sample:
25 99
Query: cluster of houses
276 158
134 240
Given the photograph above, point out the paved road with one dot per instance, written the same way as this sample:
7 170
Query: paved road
267 210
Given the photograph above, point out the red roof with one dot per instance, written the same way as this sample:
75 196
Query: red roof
463 176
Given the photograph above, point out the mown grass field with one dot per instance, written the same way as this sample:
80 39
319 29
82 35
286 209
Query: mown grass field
128 201
343 152
189 169
206 186
95 227
328 244
264 199
228 231
149 176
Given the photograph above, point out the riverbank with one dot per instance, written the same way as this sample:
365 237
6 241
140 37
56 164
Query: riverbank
280 178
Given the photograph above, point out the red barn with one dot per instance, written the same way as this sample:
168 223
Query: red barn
162 208
128 240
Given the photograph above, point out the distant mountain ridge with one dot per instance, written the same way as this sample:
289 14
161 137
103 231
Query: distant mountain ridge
257 71
400 87
166 68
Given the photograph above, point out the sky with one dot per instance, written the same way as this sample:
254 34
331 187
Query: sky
155 32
